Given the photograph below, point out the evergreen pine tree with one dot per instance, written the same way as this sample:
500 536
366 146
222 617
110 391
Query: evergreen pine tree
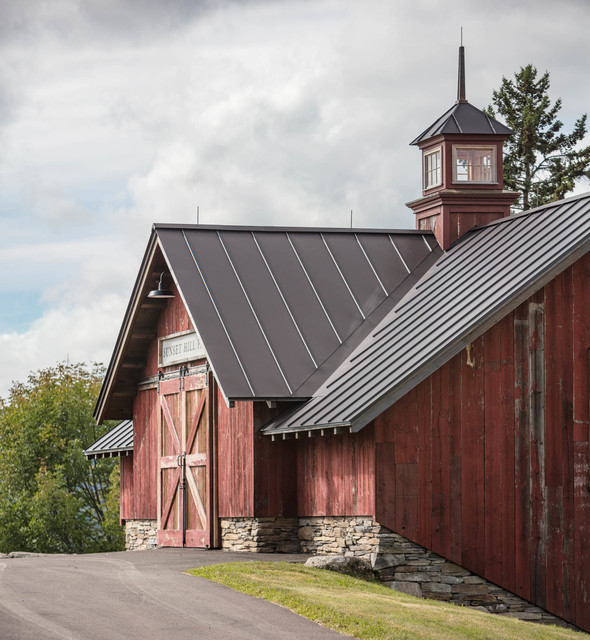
541 162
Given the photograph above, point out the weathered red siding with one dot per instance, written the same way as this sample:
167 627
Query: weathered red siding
235 455
275 469
580 496
486 461
173 319
143 502
125 504
139 486
336 474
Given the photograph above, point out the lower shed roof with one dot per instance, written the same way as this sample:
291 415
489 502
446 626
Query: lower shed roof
116 442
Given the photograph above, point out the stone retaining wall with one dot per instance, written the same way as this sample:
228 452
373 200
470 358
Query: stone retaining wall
260 535
410 568
328 536
399 563
140 535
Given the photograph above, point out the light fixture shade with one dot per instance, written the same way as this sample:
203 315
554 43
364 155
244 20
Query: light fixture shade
161 292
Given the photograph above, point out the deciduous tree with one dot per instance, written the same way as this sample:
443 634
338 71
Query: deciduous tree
51 498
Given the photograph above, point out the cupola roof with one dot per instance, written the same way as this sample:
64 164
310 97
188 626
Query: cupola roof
462 117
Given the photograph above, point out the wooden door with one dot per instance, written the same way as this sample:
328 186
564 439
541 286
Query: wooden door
186 515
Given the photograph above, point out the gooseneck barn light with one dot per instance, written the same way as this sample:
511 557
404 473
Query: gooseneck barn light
161 292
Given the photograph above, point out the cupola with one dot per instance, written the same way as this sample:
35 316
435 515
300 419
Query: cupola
462 170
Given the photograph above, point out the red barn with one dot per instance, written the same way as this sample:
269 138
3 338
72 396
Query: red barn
417 398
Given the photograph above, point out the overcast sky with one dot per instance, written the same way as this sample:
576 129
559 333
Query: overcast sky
115 114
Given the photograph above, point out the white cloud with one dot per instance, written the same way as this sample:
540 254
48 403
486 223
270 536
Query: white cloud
52 204
115 115
78 333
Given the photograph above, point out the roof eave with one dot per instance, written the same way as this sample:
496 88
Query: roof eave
107 453
311 431
252 228
437 128
115 361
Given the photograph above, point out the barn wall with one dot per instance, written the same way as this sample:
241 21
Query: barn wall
145 456
173 319
336 474
486 461
142 500
275 468
126 491
235 453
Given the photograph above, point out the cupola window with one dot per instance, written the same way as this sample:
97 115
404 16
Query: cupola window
474 164
432 169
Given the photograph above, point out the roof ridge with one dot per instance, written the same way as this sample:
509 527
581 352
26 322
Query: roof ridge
449 112
490 122
279 229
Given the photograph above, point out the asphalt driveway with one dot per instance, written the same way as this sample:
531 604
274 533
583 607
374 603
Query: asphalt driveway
137 595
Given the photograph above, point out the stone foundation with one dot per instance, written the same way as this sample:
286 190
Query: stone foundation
399 563
326 536
410 568
260 535
140 535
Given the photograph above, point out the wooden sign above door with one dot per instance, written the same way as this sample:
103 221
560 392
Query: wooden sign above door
180 347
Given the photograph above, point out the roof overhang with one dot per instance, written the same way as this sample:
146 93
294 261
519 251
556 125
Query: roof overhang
115 401
115 443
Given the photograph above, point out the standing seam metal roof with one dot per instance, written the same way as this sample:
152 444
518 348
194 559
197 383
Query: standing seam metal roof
463 118
480 279
273 306
117 441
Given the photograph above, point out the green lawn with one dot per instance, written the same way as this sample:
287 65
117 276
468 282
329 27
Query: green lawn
366 609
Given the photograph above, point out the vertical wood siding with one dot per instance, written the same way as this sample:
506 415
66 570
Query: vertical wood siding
336 474
173 319
275 468
139 493
486 461
145 456
581 449
235 455
126 501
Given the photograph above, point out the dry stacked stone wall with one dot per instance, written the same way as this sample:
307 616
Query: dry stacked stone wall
399 563
260 535
140 535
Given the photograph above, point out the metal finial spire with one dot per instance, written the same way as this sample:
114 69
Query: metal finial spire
461 83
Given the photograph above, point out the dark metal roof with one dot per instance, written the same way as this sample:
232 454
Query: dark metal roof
479 280
279 309
118 441
464 118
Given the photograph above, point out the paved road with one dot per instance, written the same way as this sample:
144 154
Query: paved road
137 595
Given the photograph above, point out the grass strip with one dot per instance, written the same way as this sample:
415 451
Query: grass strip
369 610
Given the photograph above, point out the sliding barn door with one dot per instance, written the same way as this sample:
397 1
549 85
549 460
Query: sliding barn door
186 515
